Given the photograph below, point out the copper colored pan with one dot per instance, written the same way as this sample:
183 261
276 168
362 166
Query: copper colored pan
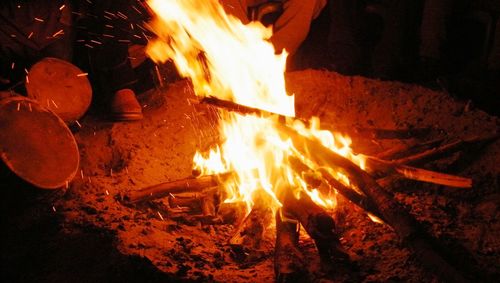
36 144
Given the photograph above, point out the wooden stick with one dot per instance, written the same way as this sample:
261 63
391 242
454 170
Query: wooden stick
402 222
362 201
381 134
250 232
288 259
185 185
318 224
235 107
446 149
381 167
373 133
407 148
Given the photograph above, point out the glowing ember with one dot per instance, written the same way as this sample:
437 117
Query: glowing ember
236 62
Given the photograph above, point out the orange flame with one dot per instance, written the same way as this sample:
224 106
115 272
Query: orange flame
232 61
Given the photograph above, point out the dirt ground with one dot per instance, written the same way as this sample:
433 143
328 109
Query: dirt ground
85 233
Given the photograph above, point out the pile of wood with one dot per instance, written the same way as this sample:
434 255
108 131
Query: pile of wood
201 193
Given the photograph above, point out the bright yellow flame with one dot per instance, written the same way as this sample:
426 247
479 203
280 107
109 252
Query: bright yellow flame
232 61
222 56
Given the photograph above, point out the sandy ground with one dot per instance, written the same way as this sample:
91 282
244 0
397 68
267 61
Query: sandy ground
85 233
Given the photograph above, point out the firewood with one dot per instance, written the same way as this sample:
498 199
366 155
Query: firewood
234 107
193 203
232 212
381 167
406 227
373 133
209 202
362 201
250 232
288 259
318 224
380 134
191 184
444 150
407 148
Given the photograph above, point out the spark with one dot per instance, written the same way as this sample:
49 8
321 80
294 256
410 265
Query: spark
109 26
124 40
62 7
107 193
54 208
137 10
26 71
126 169
78 123
82 74
27 79
111 172
96 42
171 195
123 16
30 35
29 105
109 13
81 173
18 106
67 184
161 217
12 65
54 103
39 20
108 35
88 45
90 180
58 33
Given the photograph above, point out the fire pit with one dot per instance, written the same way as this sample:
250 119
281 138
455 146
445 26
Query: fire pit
233 181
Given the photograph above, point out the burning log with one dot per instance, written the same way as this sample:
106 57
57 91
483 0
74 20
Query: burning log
403 223
232 212
385 167
318 224
235 107
199 184
372 133
362 201
250 232
288 260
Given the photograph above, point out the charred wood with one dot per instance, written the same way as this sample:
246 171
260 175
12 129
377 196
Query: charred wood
288 259
318 224
406 227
